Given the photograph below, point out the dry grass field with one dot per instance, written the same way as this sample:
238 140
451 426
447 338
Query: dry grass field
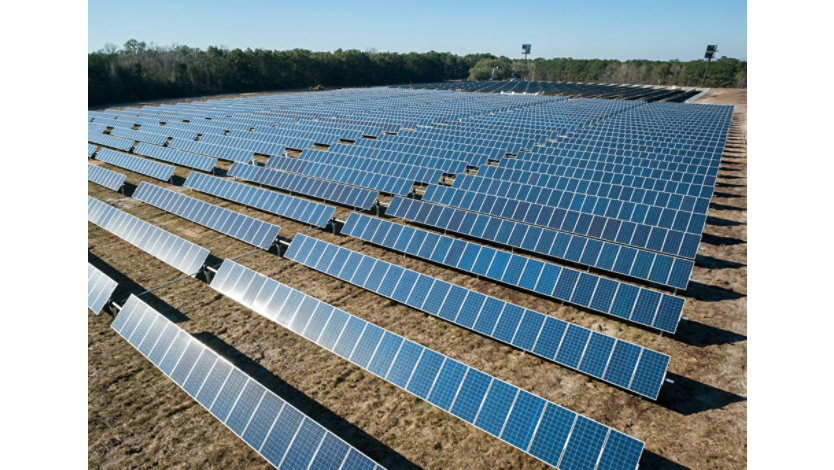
138 418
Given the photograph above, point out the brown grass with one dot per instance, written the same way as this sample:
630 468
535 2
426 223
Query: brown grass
138 418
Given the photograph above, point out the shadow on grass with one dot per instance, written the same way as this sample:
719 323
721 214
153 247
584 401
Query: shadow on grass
715 263
650 460
353 435
128 189
718 240
729 185
701 335
127 286
177 180
724 207
728 195
721 222
688 397
708 293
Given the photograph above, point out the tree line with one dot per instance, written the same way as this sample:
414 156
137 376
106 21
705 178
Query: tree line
724 72
137 72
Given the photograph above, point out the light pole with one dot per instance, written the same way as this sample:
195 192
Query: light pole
525 49
711 50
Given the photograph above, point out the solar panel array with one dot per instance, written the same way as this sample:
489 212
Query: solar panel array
109 141
150 168
625 301
641 264
279 432
318 188
634 234
178 157
91 149
242 227
629 92
99 289
218 151
140 136
618 362
173 250
302 210
107 178
671 211
608 186
536 426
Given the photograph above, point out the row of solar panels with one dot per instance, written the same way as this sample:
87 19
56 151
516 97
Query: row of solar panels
529 423
626 365
683 243
664 210
630 92
279 432
625 301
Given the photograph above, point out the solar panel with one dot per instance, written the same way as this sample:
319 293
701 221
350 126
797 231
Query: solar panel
625 203
178 157
140 136
330 191
593 353
276 430
309 212
357 177
280 162
652 308
536 426
637 235
219 151
109 141
96 127
627 261
173 250
108 179
242 227
91 149
150 168
99 289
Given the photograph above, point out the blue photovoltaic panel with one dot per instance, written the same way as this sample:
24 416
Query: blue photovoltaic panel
263 420
365 179
309 212
139 136
219 151
654 267
666 211
157 170
458 388
99 289
525 329
566 219
109 141
330 191
173 250
107 178
178 157
248 229
280 162
91 149
566 284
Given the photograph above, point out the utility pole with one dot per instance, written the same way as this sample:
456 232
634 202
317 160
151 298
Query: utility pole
711 50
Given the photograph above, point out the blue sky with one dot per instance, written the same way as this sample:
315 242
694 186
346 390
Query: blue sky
656 30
